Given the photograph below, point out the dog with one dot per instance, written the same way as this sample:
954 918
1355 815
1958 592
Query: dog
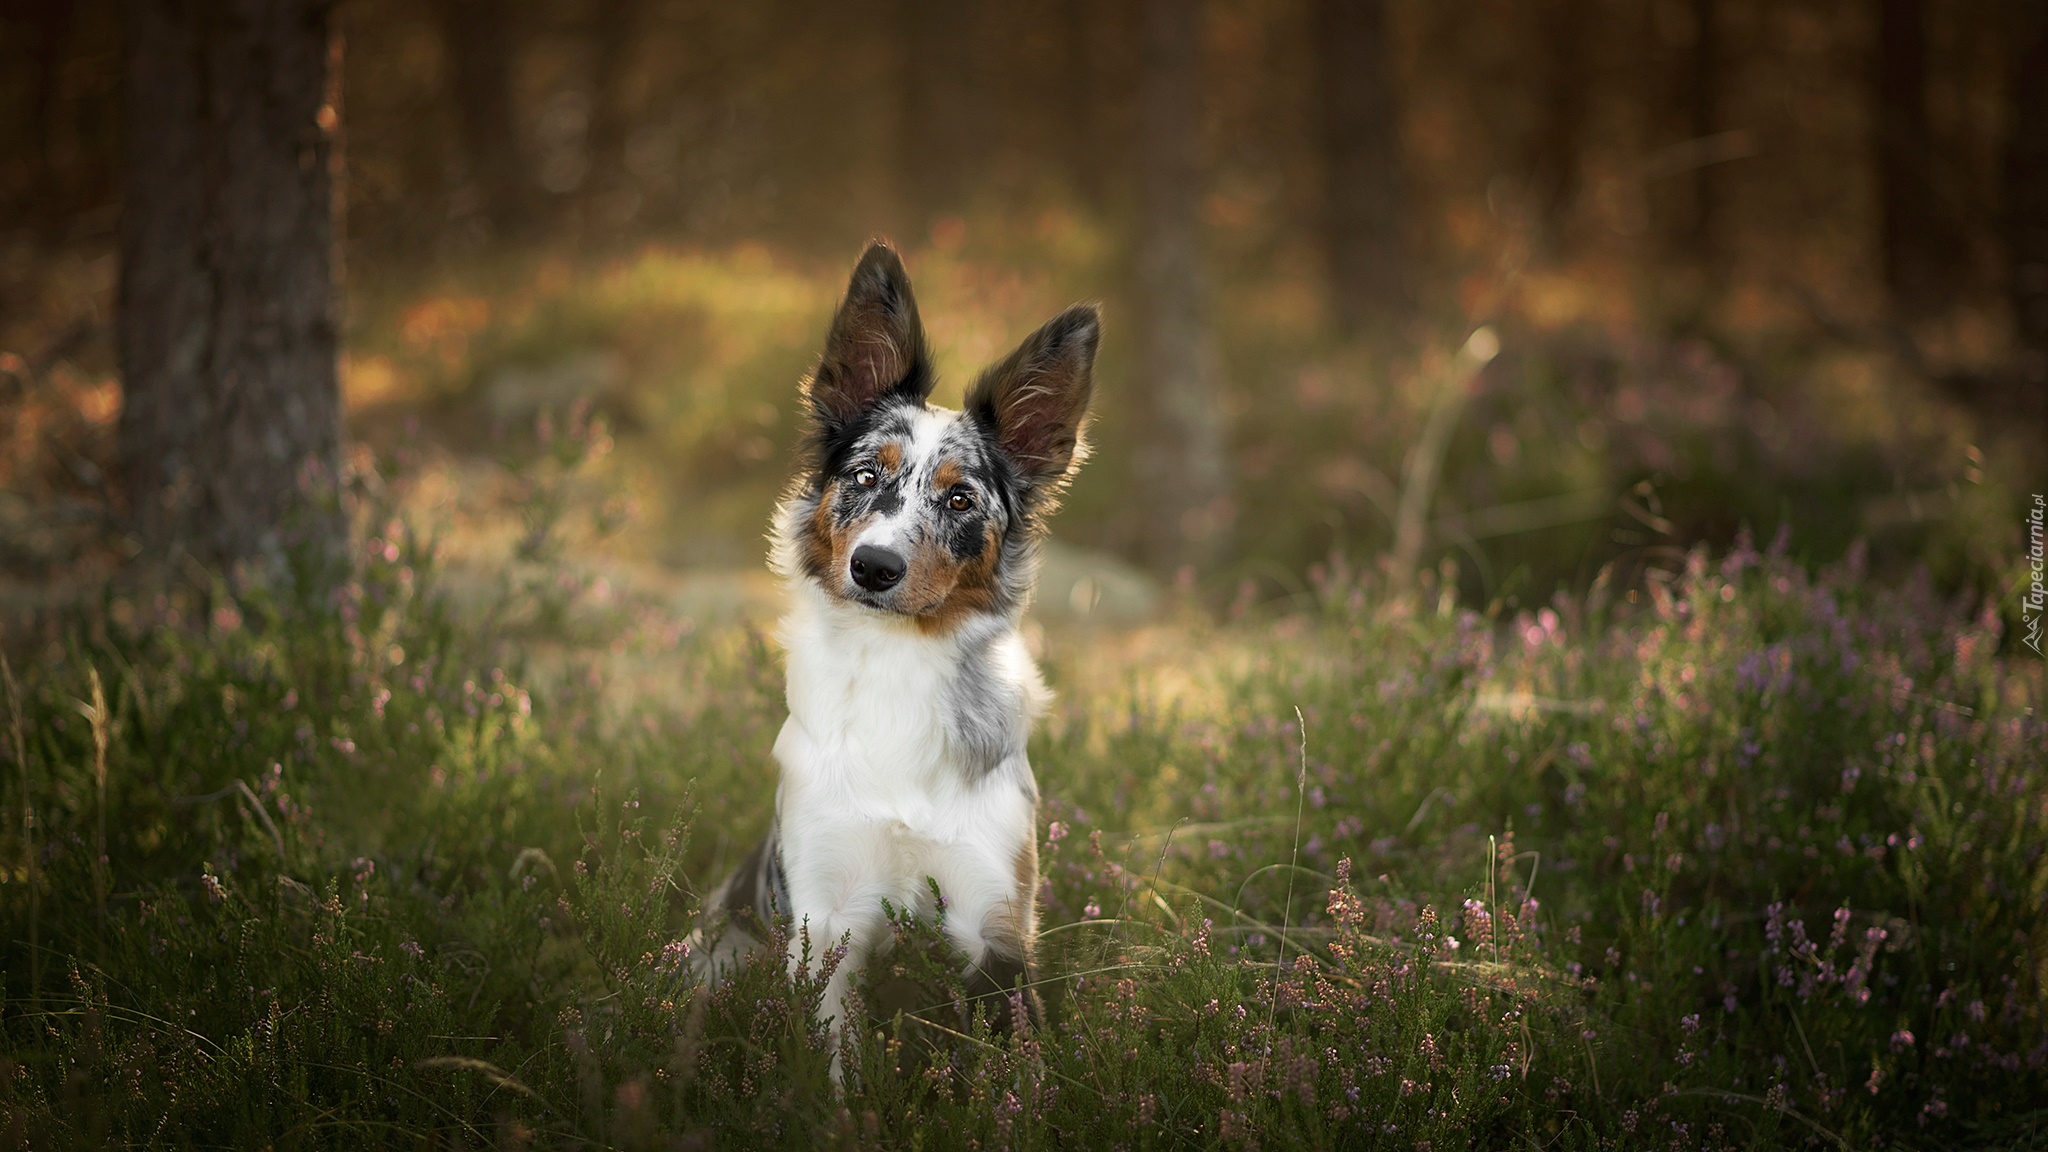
908 539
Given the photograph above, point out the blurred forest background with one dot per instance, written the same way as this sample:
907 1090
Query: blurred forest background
1781 265
1608 422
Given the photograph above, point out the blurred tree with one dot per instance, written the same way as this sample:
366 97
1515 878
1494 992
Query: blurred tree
1082 98
1915 246
52 24
478 39
230 429
608 197
944 131
2026 204
1703 109
1365 210
1562 100
1182 467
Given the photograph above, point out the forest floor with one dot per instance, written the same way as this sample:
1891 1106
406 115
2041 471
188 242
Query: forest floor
1741 849
1752 859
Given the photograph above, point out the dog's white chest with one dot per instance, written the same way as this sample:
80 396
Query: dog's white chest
878 776
896 712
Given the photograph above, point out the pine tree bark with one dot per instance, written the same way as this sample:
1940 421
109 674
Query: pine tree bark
1703 108
1182 466
477 38
53 20
945 120
1082 99
607 194
2026 210
1365 208
230 430
1554 175
1915 267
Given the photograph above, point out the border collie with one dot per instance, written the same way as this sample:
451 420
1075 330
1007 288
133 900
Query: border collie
908 539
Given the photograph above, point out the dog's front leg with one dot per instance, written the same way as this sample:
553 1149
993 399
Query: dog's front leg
830 916
999 976
992 919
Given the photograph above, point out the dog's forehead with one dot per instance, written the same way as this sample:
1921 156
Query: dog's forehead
918 442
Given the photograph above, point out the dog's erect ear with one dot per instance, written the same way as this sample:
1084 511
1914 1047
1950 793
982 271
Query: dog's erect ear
1035 400
876 346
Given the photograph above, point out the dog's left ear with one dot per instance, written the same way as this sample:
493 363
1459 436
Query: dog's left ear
1035 401
876 347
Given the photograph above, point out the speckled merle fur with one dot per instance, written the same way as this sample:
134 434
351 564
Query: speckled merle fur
909 538
970 444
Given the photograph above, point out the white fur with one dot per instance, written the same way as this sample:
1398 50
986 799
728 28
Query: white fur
877 792
874 798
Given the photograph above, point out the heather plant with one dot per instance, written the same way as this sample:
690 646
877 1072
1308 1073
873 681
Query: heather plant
1691 785
1752 858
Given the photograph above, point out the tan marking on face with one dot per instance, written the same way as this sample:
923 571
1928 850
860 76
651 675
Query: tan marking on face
890 456
825 547
817 535
947 475
930 579
969 588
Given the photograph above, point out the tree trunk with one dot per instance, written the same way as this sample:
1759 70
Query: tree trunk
609 200
53 19
1081 101
945 118
1183 470
1554 153
2026 213
1364 208
477 38
230 429
1703 100
1914 265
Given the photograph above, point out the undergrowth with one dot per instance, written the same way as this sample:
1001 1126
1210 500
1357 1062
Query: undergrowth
1756 863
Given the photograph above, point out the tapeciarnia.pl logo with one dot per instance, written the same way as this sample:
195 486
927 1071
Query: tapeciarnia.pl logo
2036 599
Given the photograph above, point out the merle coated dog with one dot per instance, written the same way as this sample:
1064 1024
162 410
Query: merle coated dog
909 538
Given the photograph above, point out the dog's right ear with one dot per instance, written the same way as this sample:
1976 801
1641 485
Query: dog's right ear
876 347
1035 401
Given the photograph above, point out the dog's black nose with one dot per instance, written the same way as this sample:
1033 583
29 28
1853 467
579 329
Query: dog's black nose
876 569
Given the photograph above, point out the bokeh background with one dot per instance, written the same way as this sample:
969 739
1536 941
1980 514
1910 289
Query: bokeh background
1778 265
1585 440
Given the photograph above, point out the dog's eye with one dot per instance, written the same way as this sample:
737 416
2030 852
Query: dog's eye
960 501
865 477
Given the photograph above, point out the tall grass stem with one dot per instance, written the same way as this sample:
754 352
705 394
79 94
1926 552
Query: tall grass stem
97 715
1424 467
1293 864
1493 895
28 829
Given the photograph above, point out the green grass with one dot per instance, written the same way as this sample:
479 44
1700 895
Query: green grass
1753 861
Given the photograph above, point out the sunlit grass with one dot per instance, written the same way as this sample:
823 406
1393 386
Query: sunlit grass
1755 861
1595 439
1736 850
692 355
